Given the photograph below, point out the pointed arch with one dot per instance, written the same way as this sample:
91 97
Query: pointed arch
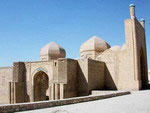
143 69
41 85
39 69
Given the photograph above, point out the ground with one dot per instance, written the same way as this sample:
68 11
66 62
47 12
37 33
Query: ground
136 102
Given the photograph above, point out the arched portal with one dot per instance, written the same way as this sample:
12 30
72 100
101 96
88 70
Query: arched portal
41 83
142 68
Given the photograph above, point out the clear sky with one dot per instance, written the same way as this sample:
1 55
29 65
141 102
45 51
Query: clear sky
27 25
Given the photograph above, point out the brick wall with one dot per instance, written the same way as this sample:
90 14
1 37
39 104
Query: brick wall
46 104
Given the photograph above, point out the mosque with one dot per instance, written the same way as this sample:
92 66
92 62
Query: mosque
100 67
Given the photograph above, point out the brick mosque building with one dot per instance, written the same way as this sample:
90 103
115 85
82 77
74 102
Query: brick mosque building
100 67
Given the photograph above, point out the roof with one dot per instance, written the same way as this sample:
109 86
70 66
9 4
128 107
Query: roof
53 50
94 44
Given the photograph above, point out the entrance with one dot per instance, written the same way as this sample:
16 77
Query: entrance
143 74
41 83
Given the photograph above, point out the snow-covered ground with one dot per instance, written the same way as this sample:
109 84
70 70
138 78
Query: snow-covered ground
137 102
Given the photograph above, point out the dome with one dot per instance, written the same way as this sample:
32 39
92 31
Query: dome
115 48
123 47
52 51
142 20
131 5
94 44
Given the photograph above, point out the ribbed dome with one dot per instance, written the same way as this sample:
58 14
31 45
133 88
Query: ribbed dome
53 51
94 44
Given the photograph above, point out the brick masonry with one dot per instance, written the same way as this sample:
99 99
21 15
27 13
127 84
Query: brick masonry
100 67
46 104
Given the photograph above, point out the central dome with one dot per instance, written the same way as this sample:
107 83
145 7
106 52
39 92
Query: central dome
52 51
94 44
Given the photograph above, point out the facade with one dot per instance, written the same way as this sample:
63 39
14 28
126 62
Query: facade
100 67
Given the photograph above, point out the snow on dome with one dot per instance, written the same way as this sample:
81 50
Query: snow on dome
52 51
94 44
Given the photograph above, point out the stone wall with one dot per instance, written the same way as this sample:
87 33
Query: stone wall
95 75
83 77
70 88
46 104
135 42
19 80
5 77
111 59
142 53
123 72
90 76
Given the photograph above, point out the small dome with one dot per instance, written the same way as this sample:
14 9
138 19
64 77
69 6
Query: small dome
94 44
53 51
142 20
131 5
116 48
123 47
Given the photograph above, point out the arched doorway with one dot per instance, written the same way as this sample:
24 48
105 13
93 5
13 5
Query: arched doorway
41 83
142 68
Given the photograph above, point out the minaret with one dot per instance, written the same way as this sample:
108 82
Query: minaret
142 21
136 44
132 11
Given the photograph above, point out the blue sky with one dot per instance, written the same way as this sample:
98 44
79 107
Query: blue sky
27 25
